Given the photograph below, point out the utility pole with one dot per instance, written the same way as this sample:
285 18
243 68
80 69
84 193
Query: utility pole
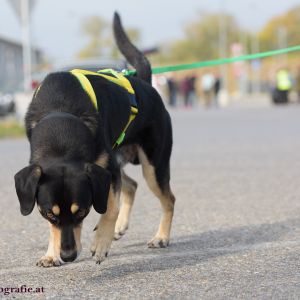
26 44
282 43
23 9
256 65
245 73
223 43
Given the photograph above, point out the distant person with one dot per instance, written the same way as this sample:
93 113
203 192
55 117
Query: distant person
187 88
172 91
283 86
217 87
297 83
208 88
192 94
159 82
184 90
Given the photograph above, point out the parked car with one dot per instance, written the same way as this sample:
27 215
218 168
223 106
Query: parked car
94 65
7 104
37 78
90 65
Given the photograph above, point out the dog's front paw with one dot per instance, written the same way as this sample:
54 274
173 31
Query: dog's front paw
48 261
100 248
159 242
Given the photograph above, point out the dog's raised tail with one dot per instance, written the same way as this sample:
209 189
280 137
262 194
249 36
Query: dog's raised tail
134 56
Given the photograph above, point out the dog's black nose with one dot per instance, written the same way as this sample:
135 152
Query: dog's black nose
68 255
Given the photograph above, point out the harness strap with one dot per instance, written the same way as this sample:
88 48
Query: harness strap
86 85
118 78
115 77
132 116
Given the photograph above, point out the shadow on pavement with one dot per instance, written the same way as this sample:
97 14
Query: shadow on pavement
194 249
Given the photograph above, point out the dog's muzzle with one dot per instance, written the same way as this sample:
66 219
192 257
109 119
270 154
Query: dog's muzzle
68 255
68 251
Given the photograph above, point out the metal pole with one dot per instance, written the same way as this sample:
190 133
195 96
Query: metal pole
245 76
258 74
25 20
282 43
256 84
223 44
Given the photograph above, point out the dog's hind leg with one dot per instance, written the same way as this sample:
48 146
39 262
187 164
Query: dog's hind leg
128 190
161 189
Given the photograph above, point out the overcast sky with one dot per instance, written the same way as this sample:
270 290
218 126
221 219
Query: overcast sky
56 23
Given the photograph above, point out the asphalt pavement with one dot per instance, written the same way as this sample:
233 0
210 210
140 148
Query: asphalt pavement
236 231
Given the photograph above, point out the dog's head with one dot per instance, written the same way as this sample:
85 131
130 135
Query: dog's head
64 193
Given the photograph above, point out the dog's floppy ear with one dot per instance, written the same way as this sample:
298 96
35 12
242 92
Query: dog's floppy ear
26 182
100 179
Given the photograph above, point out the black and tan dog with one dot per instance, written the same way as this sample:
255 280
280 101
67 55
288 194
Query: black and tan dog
73 163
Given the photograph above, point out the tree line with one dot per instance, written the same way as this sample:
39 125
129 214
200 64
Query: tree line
201 39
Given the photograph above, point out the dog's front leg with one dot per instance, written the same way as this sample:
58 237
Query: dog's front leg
52 256
106 227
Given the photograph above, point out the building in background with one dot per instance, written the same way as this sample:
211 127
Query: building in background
11 65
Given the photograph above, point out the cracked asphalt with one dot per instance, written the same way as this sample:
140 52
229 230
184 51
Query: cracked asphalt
236 230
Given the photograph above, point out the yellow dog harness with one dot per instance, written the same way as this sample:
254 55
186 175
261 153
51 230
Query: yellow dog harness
115 77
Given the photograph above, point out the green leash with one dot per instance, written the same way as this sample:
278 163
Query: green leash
217 62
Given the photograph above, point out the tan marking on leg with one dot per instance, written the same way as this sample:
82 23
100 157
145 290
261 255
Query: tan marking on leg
105 228
129 187
102 160
167 201
56 233
77 237
52 256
